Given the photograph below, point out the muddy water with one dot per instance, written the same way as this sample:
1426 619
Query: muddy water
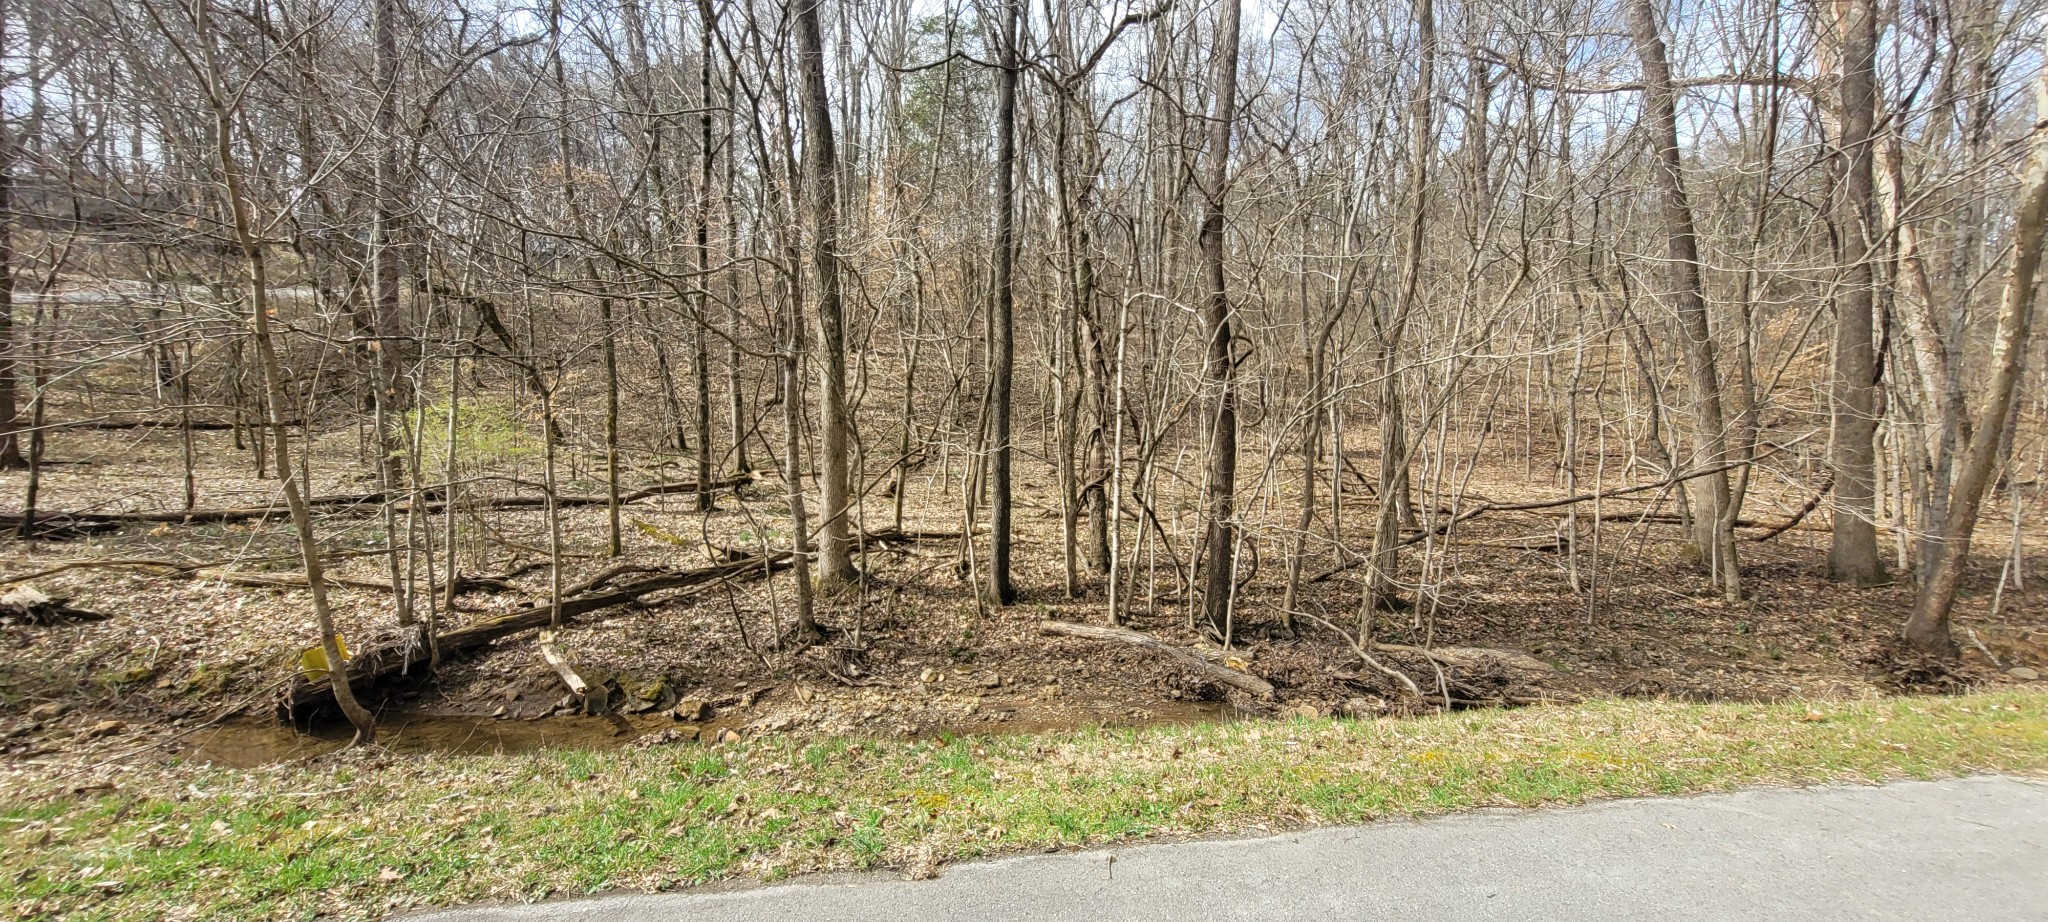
251 742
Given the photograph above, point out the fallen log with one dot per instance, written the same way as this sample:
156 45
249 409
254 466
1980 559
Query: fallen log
372 670
1486 506
179 569
58 519
1195 662
1548 542
435 502
27 605
197 425
288 580
911 535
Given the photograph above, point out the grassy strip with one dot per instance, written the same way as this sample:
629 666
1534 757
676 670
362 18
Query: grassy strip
358 839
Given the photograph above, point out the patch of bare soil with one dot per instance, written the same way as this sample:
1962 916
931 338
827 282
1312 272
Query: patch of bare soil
189 662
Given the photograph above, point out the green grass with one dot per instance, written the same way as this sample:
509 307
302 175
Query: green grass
359 837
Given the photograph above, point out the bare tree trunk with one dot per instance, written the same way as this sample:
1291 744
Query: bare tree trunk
1928 627
1218 369
1714 531
614 546
1852 555
792 469
1003 357
243 225
1383 563
10 410
821 186
700 335
385 348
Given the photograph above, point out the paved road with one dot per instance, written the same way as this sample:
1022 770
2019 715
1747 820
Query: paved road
1973 849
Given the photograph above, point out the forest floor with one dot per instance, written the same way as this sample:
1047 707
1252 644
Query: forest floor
120 735
186 665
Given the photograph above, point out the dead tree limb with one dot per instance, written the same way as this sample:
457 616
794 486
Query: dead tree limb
1244 682
376 668
332 504
1801 515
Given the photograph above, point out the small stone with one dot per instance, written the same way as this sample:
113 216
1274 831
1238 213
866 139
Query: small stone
51 711
928 676
2024 673
500 712
1363 707
691 710
106 728
512 693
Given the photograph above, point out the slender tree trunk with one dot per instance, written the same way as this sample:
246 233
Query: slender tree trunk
1928 627
1003 357
388 364
791 369
821 187
614 545
1218 371
700 342
1714 532
1383 563
10 422
449 487
1852 555
243 224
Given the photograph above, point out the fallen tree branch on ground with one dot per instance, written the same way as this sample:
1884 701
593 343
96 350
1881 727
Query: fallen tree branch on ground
26 605
197 425
287 580
434 503
591 698
372 670
221 570
1244 682
912 535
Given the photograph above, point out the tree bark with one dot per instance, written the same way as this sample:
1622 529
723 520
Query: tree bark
243 225
821 186
1928 627
1218 369
1003 357
1714 533
1852 554
10 409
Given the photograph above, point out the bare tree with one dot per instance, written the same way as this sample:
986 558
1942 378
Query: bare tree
1219 362
1713 511
821 190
